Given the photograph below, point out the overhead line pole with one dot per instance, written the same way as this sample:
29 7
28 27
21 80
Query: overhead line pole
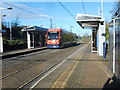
102 9
51 23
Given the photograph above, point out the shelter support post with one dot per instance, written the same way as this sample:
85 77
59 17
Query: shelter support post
114 45
91 43
33 39
101 38
28 40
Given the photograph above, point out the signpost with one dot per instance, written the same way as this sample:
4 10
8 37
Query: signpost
2 31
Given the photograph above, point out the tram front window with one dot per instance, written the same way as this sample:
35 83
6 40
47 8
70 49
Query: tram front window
53 35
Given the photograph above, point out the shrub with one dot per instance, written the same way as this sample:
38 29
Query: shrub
13 42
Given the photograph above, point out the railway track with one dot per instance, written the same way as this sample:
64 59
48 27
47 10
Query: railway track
29 63
34 81
42 75
15 59
6 76
45 67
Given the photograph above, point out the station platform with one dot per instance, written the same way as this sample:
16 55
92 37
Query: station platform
14 53
82 70
90 71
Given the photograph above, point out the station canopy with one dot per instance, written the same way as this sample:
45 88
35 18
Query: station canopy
34 28
88 21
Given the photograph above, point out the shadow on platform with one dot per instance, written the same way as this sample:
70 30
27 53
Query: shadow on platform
88 60
111 83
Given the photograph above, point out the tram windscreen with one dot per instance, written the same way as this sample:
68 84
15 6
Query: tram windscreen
53 35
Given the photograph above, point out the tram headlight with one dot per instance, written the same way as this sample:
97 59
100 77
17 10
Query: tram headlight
53 40
57 42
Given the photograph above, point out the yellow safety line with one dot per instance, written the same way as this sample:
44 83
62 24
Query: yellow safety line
62 80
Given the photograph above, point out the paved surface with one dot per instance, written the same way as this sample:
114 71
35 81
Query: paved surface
81 70
91 72
14 53
63 72
18 70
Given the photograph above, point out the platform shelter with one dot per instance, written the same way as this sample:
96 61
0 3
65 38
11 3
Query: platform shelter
97 25
35 36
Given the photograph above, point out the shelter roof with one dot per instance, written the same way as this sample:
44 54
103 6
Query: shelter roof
34 28
91 21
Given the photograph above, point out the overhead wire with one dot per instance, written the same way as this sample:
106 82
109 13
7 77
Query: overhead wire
37 9
24 10
83 7
33 7
66 9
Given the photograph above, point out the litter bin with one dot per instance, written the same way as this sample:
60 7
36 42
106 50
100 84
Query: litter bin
104 49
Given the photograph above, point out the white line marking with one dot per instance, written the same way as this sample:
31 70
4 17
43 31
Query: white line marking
55 68
103 69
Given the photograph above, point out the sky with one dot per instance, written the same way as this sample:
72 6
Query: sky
39 13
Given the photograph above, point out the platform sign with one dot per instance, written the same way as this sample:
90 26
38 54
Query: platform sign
2 31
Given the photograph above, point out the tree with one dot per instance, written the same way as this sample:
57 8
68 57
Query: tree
16 22
16 30
107 31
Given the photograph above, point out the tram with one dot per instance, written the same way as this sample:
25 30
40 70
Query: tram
59 38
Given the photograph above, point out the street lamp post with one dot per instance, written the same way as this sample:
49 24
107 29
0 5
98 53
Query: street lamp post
1 40
10 24
10 31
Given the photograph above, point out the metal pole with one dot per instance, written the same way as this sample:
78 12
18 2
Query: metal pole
51 23
113 45
1 43
99 11
71 33
33 39
1 39
102 9
10 31
10 25
91 42
71 29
